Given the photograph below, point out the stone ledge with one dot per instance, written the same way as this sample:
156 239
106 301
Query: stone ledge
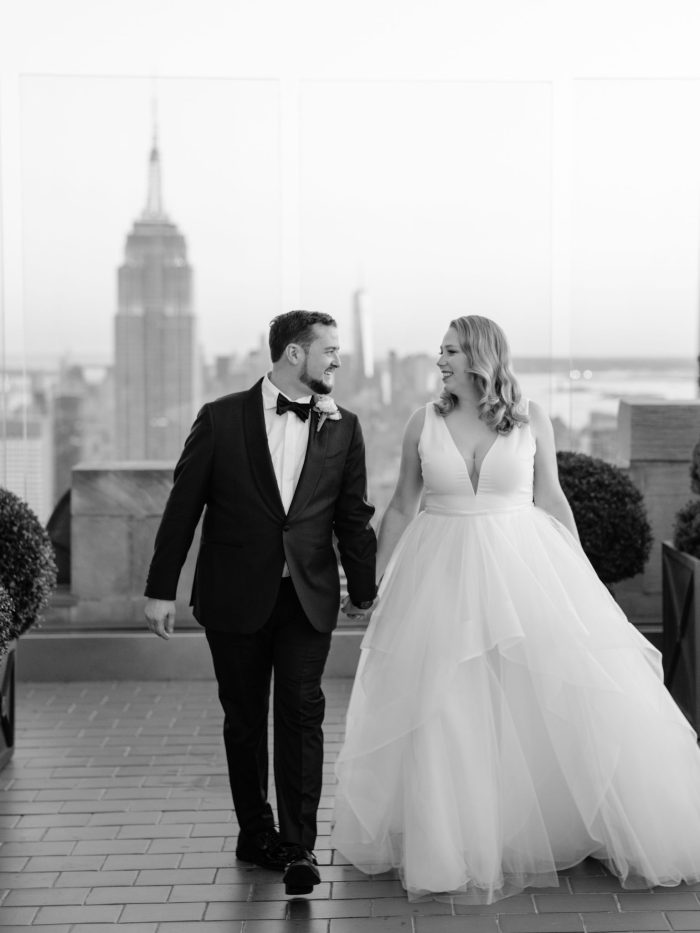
90 655
115 488
657 429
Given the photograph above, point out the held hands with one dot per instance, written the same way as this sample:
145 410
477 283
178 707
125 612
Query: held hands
160 616
355 612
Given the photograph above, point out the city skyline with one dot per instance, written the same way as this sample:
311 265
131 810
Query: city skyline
241 231
552 183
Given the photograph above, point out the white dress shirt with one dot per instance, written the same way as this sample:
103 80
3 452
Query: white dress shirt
288 438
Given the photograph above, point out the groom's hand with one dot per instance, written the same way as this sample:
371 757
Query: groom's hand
160 616
352 611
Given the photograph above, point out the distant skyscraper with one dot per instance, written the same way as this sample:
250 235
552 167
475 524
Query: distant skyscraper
68 426
155 370
26 448
363 345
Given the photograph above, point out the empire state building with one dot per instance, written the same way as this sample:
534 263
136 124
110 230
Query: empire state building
155 374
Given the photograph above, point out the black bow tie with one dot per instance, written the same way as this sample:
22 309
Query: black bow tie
300 409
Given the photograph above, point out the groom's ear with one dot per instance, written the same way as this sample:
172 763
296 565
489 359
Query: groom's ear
294 353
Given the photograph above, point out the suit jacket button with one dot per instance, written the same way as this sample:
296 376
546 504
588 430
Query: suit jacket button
285 527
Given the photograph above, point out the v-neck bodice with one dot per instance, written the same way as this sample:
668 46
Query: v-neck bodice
475 486
505 478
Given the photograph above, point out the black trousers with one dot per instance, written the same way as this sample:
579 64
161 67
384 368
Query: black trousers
291 648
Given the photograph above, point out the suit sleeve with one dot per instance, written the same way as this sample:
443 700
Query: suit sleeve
183 509
357 542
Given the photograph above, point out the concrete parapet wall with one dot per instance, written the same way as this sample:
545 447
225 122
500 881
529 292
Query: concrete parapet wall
116 509
663 431
43 655
115 513
97 630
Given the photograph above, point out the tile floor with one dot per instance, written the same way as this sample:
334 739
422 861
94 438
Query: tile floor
115 814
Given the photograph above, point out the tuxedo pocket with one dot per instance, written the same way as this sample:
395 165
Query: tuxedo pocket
336 455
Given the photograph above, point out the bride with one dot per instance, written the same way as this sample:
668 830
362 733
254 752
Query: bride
506 721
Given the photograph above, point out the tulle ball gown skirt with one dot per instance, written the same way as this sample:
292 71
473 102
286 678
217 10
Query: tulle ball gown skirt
507 721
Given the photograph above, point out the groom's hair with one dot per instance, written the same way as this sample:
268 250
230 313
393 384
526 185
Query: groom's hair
295 327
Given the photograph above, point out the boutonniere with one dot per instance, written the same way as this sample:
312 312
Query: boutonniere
326 408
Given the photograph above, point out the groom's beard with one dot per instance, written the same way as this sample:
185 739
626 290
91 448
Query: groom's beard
316 385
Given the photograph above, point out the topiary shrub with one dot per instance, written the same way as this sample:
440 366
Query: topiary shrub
610 515
695 468
7 609
27 566
686 531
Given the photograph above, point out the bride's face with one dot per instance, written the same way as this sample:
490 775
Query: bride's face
452 363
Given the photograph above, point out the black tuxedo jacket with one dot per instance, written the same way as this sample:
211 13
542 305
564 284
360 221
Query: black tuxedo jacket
226 470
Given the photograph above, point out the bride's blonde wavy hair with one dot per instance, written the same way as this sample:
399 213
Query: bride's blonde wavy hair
488 360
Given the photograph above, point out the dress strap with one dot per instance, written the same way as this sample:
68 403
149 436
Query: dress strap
427 435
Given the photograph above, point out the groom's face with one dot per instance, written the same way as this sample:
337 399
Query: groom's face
321 360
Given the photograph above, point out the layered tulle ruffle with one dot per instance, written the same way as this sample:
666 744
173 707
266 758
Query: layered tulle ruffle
507 721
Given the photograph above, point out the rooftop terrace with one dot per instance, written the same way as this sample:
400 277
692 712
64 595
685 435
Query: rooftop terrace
116 814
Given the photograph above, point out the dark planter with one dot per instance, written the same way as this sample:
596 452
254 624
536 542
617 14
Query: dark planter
681 635
7 704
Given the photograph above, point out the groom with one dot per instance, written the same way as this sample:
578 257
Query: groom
279 471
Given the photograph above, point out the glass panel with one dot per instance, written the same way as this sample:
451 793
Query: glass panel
636 192
24 454
152 265
421 202
151 246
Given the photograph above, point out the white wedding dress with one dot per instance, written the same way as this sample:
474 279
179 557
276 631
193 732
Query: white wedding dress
507 720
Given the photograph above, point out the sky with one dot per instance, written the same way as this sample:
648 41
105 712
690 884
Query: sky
537 162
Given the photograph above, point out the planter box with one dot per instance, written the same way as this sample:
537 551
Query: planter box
7 705
681 634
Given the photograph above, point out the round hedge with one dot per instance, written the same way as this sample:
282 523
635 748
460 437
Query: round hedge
695 469
610 515
6 611
27 565
686 531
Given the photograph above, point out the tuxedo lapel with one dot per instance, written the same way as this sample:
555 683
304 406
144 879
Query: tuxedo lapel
259 450
313 465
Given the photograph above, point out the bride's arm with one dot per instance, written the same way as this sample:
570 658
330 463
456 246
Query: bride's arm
548 493
404 502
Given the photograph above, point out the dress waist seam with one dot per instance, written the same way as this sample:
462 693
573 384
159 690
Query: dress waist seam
485 511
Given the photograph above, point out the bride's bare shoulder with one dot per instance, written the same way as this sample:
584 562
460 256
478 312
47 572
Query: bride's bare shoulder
415 423
539 419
